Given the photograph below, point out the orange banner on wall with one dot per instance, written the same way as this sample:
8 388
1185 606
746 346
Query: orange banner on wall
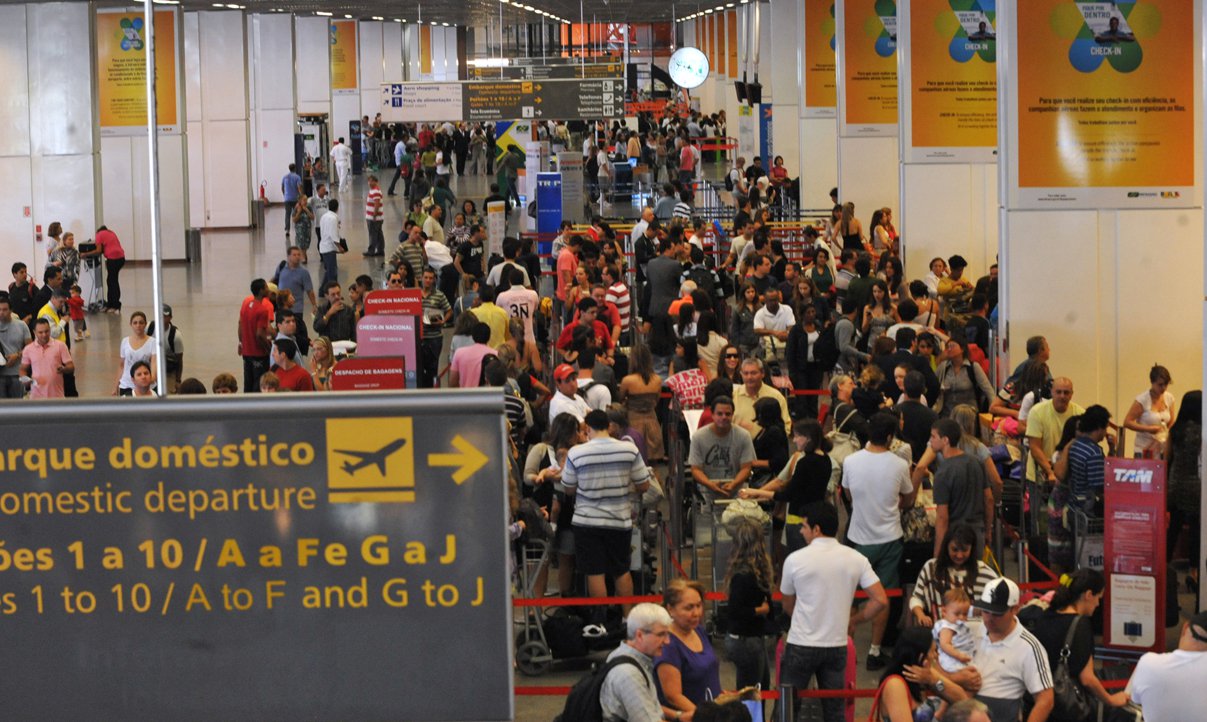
425 50
121 70
731 41
820 75
1106 98
952 81
343 55
869 47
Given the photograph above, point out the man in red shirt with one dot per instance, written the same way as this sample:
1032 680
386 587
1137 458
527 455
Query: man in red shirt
606 312
291 376
255 334
587 311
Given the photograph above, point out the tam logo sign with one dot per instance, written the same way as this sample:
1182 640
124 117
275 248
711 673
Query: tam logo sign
1134 476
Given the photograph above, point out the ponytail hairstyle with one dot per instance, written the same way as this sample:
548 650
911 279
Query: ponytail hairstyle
1073 587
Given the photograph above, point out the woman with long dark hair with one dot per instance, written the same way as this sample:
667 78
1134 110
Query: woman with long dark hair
640 391
880 314
741 330
1074 603
729 365
542 477
804 369
912 678
954 567
709 343
1182 450
802 481
770 444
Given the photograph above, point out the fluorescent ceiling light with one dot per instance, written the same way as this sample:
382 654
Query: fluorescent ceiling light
322 13
397 20
166 2
444 24
378 17
233 6
347 16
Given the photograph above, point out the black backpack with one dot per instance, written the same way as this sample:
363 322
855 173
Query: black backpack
729 181
582 704
704 280
825 348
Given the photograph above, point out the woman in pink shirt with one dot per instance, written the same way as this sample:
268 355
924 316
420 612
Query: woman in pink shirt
108 244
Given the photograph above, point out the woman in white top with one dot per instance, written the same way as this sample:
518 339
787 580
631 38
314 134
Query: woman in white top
138 346
1151 414
938 269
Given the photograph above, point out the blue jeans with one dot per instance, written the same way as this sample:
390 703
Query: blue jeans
829 664
330 267
749 657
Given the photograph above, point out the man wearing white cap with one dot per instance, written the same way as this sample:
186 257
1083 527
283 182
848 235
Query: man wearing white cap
1162 682
1010 659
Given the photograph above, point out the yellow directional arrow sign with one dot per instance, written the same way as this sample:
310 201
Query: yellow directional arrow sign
467 458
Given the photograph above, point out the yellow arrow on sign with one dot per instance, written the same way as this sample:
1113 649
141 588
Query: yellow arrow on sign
467 458
537 100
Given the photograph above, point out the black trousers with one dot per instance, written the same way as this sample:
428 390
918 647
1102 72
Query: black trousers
429 361
113 289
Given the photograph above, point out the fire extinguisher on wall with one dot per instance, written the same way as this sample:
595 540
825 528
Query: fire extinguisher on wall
264 192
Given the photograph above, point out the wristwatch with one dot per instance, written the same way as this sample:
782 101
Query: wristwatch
940 687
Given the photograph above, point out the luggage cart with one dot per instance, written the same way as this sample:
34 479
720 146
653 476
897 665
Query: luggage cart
90 280
533 656
1088 534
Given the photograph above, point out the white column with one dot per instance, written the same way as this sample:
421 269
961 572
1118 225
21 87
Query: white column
47 128
371 66
272 100
313 63
784 81
217 79
818 131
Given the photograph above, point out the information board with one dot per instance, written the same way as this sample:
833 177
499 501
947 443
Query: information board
867 67
547 72
421 102
949 81
121 69
369 374
477 101
1134 553
296 556
1099 102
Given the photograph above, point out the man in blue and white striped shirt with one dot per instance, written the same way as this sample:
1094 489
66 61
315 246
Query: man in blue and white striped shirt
602 475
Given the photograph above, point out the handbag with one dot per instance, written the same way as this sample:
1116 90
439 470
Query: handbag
739 509
843 443
343 245
1071 701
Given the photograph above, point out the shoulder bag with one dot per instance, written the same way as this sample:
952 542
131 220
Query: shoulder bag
844 443
1071 700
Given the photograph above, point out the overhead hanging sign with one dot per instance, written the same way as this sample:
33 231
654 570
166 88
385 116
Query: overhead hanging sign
949 81
867 61
820 89
121 71
1101 104
477 101
296 556
562 71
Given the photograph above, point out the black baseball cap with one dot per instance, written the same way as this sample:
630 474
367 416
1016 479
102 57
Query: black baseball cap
998 597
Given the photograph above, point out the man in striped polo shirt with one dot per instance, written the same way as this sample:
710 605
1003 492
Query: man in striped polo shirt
373 217
602 475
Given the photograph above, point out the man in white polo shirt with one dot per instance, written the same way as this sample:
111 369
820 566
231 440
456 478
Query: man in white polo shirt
1162 682
1010 659
819 583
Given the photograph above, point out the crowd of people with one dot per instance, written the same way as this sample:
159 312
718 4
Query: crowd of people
896 411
